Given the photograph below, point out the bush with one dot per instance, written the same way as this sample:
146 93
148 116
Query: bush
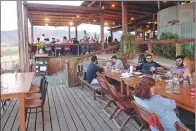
169 50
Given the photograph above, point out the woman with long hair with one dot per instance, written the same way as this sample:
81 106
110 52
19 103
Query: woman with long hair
189 73
145 96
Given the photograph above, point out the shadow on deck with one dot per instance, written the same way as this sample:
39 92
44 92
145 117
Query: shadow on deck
66 109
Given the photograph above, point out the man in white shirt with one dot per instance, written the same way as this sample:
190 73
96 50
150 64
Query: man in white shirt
118 64
42 38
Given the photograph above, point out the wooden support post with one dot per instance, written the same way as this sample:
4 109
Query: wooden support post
72 78
69 33
76 32
111 33
26 37
158 5
124 19
153 24
32 37
178 48
20 35
102 26
149 48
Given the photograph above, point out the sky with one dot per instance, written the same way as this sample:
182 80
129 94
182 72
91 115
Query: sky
9 15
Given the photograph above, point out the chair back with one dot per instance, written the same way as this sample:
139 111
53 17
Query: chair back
101 78
180 127
113 92
103 84
44 90
148 116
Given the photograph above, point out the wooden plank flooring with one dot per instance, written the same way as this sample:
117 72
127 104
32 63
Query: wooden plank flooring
66 109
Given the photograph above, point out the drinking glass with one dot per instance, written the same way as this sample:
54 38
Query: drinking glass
169 87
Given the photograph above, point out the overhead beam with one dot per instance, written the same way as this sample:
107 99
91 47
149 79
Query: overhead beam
57 17
50 13
90 4
49 7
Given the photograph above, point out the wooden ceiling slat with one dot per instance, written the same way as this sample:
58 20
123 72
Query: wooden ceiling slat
56 13
49 7
55 17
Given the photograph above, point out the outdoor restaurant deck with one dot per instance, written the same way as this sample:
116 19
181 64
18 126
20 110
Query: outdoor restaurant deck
66 109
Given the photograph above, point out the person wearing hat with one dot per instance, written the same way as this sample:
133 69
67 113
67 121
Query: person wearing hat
92 69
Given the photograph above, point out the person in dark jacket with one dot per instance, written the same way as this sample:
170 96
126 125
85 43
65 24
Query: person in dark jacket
146 66
92 69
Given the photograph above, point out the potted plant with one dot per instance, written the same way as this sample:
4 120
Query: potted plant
41 46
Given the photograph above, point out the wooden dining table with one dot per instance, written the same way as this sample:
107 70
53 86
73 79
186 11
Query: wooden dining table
17 86
183 99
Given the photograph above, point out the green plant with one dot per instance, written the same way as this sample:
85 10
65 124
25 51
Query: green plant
41 45
127 44
167 50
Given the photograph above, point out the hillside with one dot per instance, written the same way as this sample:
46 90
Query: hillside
9 38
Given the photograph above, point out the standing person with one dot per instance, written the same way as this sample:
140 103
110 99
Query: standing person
144 95
66 41
116 43
38 40
92 69
43 38
85 40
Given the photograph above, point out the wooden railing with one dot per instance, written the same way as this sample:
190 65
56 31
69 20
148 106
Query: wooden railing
176 41
67 44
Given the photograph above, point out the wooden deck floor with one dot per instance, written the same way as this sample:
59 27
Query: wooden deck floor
66 109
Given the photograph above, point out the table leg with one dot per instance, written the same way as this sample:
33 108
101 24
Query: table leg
78 50
22 113
122 86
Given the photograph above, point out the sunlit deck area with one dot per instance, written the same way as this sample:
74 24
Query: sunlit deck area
65 109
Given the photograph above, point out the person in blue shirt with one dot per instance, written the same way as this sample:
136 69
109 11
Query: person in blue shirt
146 66
163 107
92 69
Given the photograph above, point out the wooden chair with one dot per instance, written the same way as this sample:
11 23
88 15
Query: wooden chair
122 105
35 88
36 95
37 103
105 92
180 127
147 117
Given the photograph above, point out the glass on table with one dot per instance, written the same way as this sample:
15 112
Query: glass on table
169 87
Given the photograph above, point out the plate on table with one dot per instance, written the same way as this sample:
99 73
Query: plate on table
137 73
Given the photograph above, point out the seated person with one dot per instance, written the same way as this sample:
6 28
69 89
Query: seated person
163 107
92 69
118 64
189 72
145 67
179 64
53 41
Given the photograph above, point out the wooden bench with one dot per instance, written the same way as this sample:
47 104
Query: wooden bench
93 87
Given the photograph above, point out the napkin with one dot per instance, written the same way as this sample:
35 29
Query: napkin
125 75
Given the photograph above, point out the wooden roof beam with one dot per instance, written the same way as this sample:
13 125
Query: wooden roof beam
90 4
56 17
56 13
49 7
